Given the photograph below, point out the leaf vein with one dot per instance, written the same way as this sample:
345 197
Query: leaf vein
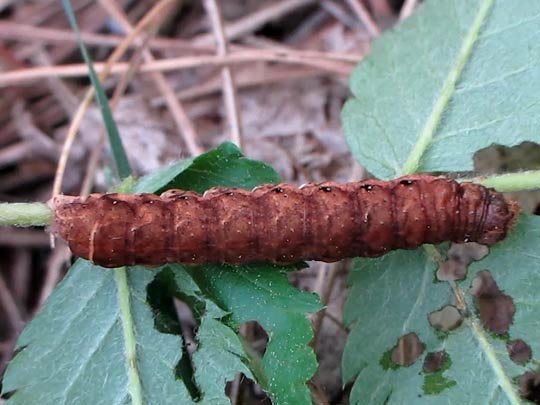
85 301
481 126
88 355
509 27
128 328
478 86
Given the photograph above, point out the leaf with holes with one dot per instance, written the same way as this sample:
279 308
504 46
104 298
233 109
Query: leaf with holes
441 86
454 78
487 348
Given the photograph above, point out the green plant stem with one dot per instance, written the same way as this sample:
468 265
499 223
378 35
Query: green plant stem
128 327
511 182
25 214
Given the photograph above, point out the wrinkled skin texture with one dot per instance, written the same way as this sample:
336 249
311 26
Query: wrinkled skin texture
280 223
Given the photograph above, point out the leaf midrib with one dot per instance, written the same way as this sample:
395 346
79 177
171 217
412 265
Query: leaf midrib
427 133
502 379
128 328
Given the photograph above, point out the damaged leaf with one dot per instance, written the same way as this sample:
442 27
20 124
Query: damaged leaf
529 386
519 351
447 319
397 294
408 350
495 309
435 364
426 100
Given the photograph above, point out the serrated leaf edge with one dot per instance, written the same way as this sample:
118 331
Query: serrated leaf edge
428 131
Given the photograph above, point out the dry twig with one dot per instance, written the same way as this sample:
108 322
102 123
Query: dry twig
229 92
178 113
363 15
156 12
407 9
253 21
318 60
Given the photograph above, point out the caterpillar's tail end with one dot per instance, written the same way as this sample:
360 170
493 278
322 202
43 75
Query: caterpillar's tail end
61 207
502 216
72 222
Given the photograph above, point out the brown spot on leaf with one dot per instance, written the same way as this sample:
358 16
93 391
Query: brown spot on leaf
434 361
460 255
407 350
467 253
446 319
519 351
495 308
451 270
529 386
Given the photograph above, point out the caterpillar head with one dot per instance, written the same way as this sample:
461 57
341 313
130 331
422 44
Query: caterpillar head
498 220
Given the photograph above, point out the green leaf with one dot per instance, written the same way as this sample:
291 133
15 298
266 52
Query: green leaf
74 350
233 295
128 319
160 179
393 296
262 293
456 77
117 148
224 166
220 356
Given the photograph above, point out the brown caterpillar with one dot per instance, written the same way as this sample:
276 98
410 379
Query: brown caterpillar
280 223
